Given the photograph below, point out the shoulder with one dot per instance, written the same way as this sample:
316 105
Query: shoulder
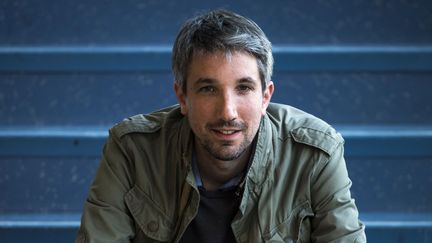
303 128
147 123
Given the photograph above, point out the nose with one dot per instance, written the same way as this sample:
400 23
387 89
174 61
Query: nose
228 107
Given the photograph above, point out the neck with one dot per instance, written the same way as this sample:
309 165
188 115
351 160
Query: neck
215 173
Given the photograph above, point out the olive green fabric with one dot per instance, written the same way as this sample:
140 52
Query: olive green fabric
296 190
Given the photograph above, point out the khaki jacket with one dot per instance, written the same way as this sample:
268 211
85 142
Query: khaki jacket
296 190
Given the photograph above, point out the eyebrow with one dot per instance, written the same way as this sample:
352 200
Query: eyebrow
248 80
204 81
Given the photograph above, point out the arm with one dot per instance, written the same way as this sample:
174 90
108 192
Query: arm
105 216
336 215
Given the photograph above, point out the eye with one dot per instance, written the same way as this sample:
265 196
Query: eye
207 89
244 88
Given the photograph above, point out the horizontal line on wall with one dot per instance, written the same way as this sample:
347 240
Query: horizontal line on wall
47 220
58 221
39 224
397 220
85 141
158 58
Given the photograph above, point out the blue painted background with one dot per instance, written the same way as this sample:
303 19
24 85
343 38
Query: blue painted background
71 69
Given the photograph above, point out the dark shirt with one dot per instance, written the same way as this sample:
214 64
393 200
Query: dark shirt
216 211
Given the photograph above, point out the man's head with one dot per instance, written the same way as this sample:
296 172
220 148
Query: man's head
222 63
220 31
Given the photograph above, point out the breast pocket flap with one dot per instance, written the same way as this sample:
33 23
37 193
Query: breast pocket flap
148 215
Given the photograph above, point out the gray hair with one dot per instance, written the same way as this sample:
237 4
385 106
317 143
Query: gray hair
221 30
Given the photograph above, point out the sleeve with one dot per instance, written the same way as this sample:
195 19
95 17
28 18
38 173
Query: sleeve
105 217
336 215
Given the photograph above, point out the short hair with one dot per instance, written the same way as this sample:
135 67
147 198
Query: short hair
225 31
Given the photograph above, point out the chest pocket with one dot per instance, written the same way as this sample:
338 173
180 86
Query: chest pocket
296 228
150 218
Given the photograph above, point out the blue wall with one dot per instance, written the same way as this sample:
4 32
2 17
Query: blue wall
71 69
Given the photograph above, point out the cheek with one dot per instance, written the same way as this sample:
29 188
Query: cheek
197 116
254 108
194 123
252 113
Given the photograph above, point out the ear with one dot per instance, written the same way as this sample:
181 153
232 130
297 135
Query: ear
181 98
268 92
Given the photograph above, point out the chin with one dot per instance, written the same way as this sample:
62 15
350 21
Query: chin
227 155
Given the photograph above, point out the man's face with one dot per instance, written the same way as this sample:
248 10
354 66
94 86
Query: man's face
224 102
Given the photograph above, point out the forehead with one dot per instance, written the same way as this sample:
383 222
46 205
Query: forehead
223 66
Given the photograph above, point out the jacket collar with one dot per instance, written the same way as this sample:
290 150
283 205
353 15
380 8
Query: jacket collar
260 165
263 153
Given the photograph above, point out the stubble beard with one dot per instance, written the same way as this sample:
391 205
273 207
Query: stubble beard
227 151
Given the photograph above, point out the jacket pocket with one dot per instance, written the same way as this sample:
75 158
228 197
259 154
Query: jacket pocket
150 218
296 228
304 224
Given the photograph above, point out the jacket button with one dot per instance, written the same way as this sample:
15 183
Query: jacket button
153 226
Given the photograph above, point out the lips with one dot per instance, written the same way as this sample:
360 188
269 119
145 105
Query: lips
227 130
227 134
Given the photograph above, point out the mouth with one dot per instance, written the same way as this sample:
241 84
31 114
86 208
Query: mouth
226 134
227 131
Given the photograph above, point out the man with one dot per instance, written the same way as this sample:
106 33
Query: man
226 165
